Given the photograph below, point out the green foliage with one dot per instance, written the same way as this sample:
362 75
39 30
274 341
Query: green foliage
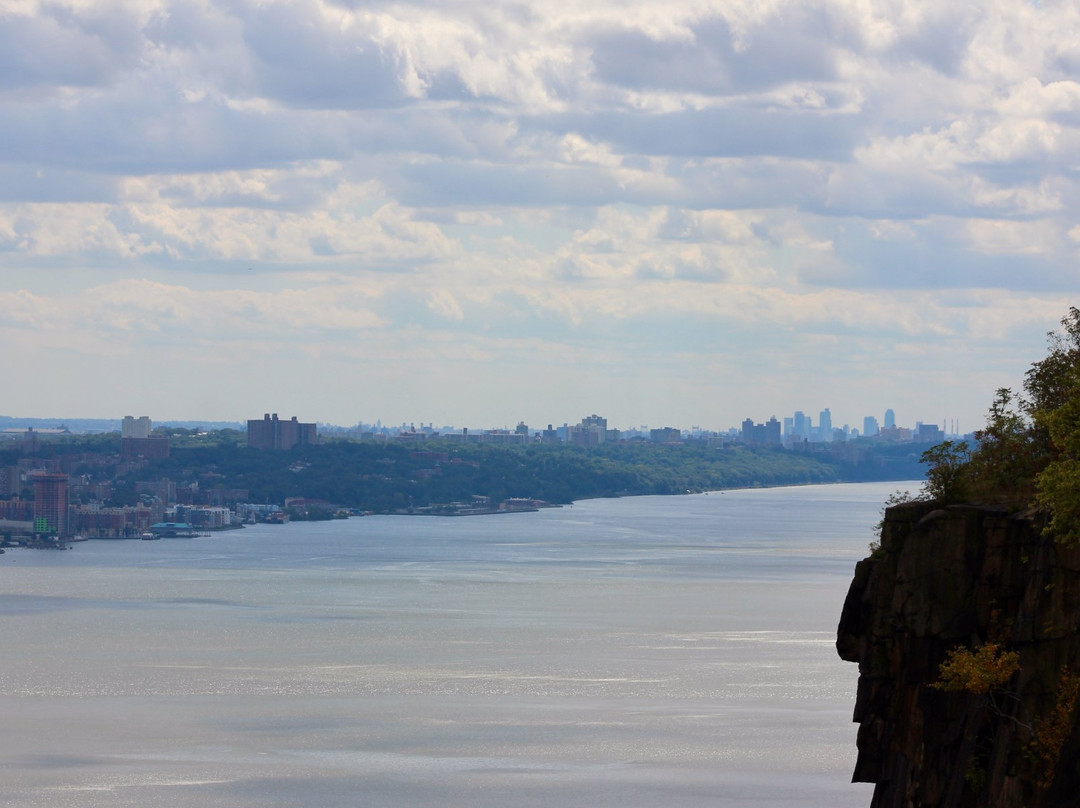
1058 485
386 477
1007 459
1029 451
947 472
1049 383
181 438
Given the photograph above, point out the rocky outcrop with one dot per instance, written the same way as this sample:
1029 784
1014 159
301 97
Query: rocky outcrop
965 576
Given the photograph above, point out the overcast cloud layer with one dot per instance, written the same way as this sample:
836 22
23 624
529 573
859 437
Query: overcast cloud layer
679 213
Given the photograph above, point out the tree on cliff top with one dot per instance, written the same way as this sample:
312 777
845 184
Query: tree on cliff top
1029 451
1053 388
947 471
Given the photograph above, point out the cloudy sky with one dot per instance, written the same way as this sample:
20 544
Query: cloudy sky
679 213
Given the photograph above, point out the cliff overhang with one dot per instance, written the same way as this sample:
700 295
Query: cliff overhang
960 577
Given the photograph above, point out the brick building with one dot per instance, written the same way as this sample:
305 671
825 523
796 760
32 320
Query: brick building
272 433
50 504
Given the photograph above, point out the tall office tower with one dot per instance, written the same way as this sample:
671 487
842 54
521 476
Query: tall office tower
825 425
50 504
869 426
801 424
890 419
132 427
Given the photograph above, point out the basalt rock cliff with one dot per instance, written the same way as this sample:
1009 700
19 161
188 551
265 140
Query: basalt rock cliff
964 577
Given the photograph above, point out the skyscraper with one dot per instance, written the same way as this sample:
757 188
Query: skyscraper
801 424
825 425
890 419
869 426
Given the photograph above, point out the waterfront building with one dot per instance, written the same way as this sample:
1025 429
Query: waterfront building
50 503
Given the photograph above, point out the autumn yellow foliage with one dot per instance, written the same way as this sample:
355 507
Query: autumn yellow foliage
981 671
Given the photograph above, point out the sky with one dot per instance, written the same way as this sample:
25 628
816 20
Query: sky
672 214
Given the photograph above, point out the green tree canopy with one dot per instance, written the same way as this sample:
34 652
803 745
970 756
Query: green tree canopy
1029 451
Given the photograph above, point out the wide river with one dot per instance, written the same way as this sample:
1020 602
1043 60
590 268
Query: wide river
636 653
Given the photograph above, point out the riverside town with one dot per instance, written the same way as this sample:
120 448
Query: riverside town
62 482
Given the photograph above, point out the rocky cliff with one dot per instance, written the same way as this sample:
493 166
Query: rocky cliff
965 577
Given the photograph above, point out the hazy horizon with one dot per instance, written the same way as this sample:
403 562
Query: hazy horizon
77 424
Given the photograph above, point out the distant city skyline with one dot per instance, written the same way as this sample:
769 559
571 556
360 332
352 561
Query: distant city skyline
798 423
478 213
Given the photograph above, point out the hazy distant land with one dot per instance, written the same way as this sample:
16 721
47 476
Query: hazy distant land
395 477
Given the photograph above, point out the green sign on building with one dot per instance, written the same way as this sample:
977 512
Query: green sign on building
41 525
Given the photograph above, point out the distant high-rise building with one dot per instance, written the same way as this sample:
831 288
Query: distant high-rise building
929 433
801 425
592 431
595 420
272 433
666 434
50 504
772 432
890 419
137 443
766 434
825 425
869 426
132 427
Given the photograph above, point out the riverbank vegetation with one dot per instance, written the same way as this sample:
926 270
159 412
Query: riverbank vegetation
390 477
218 467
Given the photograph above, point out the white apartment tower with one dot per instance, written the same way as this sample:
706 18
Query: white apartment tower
133 427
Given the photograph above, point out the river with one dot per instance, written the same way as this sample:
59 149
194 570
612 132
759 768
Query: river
640 652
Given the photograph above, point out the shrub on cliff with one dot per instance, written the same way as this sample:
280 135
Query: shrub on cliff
980 671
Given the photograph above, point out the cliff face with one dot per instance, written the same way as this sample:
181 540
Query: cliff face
965 576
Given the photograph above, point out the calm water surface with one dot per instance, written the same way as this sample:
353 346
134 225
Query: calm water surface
654 651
